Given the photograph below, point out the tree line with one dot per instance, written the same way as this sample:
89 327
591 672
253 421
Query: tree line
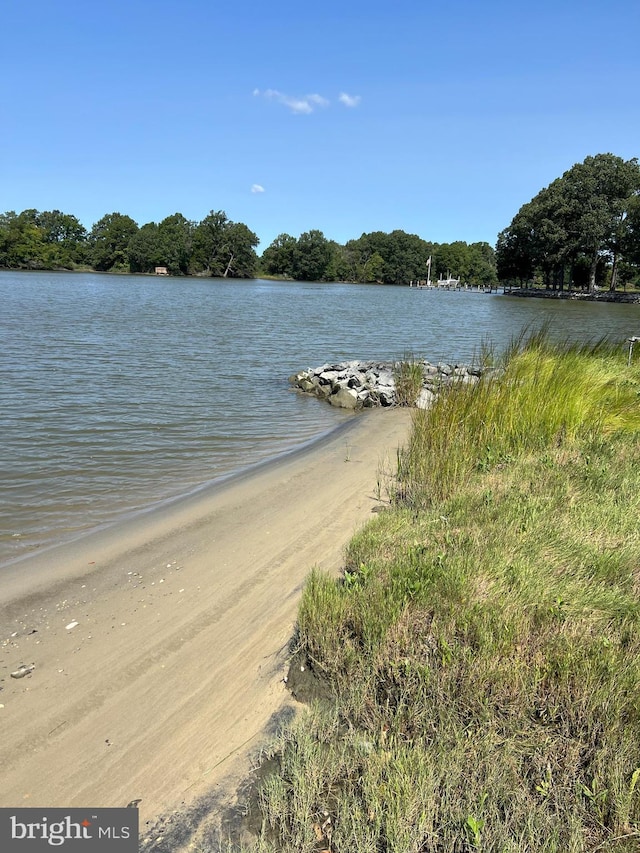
582 231
216 246
55 240
393 258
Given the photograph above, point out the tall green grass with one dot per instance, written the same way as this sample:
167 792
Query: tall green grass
409 378
542 393
483 645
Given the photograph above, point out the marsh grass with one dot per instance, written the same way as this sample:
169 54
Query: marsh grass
483 645
409 377
540 394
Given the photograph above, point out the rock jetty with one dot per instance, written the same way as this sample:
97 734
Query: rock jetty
365 384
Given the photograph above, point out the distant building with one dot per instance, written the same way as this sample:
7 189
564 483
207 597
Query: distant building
162 271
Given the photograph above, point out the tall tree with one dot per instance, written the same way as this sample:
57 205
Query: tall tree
632 233
358 256
482 264
598 193
209 243
277 258
240 246
579 221
41 240
405 257
175 236
394 258
224 248
59 227
311 257
9 235
146 251
109 241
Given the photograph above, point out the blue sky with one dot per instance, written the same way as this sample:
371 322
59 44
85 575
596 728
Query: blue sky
441 119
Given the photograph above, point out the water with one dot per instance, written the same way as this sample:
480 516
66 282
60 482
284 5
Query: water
120 391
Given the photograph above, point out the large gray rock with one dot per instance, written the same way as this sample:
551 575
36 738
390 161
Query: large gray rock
330 376
321 389
386 378
345 398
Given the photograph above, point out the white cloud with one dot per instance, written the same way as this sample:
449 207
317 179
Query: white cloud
318 100
256 188
300 105
349 100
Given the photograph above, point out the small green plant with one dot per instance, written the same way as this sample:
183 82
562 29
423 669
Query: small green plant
474 825
597 796
544 786
557 608
358 577
635 777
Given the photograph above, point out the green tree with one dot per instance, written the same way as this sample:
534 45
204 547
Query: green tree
25 243
473 263
224 248
405 257
175 238
277 258
209 243
47 240
61 228
514 250
358 254
579 222
451 259
312 257
64 238
482 264
146 251
395 258
240 246
9 233
632 236
598 194
109 241
373 268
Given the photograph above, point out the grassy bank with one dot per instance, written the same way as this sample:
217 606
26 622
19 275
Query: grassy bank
483 646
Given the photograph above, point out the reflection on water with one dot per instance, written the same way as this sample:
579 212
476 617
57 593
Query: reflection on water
118 391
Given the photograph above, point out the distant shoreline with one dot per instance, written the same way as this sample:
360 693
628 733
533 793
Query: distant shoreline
599 296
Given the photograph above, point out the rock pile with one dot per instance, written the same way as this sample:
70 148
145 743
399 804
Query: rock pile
364 384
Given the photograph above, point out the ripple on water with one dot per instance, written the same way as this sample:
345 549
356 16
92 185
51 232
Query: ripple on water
119 391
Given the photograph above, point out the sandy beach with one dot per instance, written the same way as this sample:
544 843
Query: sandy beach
159 645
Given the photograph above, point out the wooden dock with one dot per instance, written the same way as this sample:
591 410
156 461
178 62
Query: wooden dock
453 285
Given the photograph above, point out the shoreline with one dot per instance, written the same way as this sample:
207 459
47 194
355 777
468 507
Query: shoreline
132 521
160 644
577 295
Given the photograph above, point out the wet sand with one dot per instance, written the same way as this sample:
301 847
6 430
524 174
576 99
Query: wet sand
184 616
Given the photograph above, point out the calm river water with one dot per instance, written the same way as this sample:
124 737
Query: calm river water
120 391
